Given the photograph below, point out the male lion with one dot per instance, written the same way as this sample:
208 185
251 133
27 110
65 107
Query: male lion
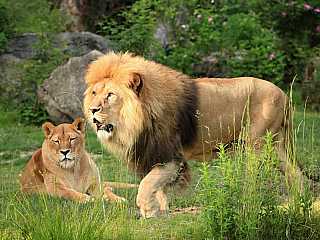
62 167
158 119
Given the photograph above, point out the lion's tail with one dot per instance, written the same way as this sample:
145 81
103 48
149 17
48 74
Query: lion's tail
288 127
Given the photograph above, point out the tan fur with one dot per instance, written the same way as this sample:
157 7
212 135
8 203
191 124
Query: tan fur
62 167
158 119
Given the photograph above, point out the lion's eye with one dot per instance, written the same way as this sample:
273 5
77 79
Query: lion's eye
110 95
94 93
56 141
71 139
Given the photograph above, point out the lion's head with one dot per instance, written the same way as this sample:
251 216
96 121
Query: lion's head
64 144
112 103
138 108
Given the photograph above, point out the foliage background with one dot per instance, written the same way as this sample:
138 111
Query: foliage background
268 39
261 38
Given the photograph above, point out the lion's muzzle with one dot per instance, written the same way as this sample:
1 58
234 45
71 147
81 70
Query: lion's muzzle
103 126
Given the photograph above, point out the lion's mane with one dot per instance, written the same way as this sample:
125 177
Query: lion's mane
153 123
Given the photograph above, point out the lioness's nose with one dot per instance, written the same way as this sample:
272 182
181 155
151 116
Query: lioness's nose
65 152
93 110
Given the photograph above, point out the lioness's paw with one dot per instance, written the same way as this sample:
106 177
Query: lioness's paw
87 198
114 199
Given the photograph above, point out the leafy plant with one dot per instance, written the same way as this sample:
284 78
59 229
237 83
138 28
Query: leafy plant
297 24
31 72
6 26
196 29
240 197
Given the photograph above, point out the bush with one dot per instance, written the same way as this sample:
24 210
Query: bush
196 30
240 197
297 24
36 69
6 26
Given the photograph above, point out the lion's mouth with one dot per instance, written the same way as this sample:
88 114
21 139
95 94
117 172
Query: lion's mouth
103 126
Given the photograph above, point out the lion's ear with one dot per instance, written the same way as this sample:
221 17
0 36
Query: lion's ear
137 83
47 129
79 124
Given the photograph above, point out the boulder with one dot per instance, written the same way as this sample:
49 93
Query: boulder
82 43
310 83
78 44
62 93
21 45
9 66
210 66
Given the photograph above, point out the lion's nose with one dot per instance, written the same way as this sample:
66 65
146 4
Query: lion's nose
94 110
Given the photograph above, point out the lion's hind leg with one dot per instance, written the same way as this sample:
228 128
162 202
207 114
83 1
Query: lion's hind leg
289 163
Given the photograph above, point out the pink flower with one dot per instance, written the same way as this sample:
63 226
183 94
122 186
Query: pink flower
271 55
297 13
199 16
224 23
185 55
198 53
173 45
317 10
210 19
284 14
274 38
318 28
212 1
292 3
183 26
307 6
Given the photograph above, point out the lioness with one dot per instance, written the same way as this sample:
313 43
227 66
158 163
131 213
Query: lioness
62 167
158 119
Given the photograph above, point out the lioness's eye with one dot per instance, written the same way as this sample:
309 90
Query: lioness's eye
94 93
71 139
56 141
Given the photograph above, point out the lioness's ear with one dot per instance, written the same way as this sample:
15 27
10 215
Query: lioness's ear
47 129
137 83
79 124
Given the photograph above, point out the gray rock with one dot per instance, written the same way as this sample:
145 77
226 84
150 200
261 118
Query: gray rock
8 67
21 45
210 66
62 93
78 44
82 43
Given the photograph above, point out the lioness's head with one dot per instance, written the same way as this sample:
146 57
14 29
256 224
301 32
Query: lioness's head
112 101
64 144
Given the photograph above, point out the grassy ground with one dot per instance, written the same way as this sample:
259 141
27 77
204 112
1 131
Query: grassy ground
36 217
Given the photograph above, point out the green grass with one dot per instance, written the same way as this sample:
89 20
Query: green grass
243 204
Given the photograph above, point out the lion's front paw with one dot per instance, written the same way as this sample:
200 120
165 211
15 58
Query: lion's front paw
149 207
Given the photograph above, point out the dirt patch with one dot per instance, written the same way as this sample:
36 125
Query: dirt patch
189 210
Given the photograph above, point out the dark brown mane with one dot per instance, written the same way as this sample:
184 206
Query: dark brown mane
159 144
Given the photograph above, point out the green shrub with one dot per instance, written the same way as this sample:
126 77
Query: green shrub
6 26
297 24
240 198
252 49
196 30
36 69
